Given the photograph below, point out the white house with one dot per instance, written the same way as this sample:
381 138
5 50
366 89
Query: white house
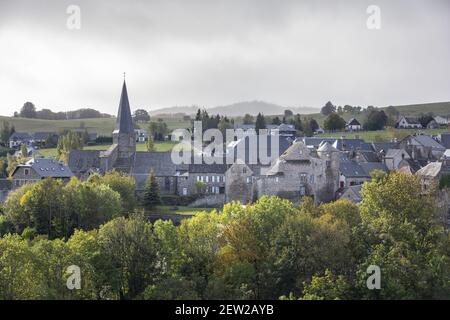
408 123
353 125
442 121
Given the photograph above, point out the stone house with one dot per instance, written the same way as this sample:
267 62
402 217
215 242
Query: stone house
37 169
303 172
431 174
396 158
422 147
352 193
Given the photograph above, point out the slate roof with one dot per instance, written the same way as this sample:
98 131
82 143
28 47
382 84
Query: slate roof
351 144
208 168
392 153
45 167
316 141
383 146
283 144
445 140
160 162
353 192
353 122
286 127
325 147
43 135
353 169
297 152
124 122
369 156
410 120
428 141
83 160
431 170
20 136
371 166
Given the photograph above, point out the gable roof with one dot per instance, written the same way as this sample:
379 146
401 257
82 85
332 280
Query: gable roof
353 192
383 146
431 170
297 152
410 120
16 136
46 167
428 141
352 169
395 152
353 122
43 135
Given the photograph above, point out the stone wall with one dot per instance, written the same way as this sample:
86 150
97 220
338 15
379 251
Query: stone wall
239 184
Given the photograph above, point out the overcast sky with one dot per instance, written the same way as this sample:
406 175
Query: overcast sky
210 53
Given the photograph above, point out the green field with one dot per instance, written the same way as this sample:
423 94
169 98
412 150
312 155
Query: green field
378 136
159 147
102 126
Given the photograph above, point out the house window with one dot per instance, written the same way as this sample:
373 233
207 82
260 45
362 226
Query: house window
213 179
311 178
198 178
303 177
249 179
27 171
207 179
276 179
184 191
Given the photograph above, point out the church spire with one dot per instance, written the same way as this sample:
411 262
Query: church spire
124 123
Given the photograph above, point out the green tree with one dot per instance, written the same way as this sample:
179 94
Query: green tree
326 287
68 142
124 184
141 115
334 122
248 119
151 193
28 110
150 144
402 233
128 247
328 109
6 131
260 123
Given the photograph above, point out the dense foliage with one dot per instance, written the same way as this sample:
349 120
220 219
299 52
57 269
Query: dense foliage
268 250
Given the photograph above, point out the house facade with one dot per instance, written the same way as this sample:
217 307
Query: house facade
40 168
408 123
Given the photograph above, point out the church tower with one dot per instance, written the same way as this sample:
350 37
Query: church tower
123 135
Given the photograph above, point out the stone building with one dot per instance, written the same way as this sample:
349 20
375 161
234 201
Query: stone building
37 169
303 172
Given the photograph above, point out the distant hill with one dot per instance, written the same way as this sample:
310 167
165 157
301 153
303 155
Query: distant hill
238 109
437 108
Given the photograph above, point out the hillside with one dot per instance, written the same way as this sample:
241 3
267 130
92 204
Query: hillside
105 126
237 109
438 108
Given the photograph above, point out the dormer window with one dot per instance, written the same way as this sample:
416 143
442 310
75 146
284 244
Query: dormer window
27 172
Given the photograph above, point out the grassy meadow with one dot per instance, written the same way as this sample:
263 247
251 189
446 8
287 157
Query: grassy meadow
159 147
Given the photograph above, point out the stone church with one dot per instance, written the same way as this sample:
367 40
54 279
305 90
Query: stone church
296 173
